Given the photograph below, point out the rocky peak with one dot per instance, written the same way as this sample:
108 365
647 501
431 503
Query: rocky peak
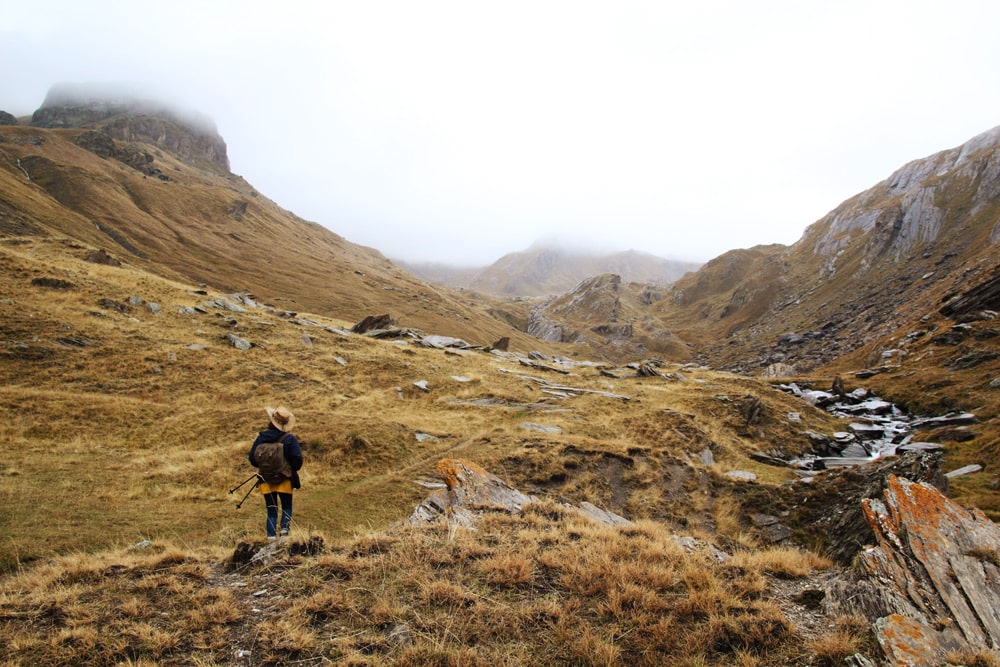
128 118
909 209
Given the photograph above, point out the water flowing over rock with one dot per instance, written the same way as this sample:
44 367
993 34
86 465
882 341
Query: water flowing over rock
882 428
932 583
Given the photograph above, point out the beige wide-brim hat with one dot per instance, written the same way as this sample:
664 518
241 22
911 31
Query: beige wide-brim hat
282 418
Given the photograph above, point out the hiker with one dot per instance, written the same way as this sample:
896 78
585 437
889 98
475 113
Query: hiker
277 455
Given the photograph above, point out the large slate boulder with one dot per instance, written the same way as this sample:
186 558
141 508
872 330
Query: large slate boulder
469 491
931 584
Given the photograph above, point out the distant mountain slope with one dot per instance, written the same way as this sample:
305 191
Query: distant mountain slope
878 263
152 188
547 270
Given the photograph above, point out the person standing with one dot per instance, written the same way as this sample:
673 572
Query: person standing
277 455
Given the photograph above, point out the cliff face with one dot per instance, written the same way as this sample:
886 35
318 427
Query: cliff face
876 264
919 204
189 136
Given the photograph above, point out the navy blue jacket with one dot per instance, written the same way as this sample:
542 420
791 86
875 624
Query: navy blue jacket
293 451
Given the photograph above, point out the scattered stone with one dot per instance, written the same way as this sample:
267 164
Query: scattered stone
964 470
706 457
741 475
601 515
919 447
400 635
421 385
503 344
76 341
460 378
238 342
693 544
541 428
374 322
111 304
778 370
752 410
340 360
422 437
52 283
777 532
102 257
970 360
540 366
647 370
818 398
769 459
858 660
442 342
153 308
870 372
224 304
866 431
950 419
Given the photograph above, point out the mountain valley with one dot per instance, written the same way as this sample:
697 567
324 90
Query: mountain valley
153 304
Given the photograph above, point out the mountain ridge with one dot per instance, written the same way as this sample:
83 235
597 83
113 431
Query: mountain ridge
549 269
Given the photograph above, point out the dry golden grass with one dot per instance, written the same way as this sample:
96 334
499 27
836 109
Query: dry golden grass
132 434
136 436
544 587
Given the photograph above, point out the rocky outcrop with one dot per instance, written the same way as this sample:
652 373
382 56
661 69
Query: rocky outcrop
101 144
7 119
126 118
595 305
931 584
189 142
469 491
827 511
984 296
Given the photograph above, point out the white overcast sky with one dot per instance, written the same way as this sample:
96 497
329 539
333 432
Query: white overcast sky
460 131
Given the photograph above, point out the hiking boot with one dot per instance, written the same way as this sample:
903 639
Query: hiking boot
271 538
284 532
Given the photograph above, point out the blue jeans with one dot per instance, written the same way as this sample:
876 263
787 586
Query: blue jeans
271 502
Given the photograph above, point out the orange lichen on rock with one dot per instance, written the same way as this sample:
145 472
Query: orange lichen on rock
934 563
907 643
454 472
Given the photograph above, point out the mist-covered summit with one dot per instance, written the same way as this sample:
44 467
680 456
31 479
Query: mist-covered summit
126 114
551 267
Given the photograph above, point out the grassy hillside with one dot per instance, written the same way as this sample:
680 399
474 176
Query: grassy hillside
150 414
212 227
127 425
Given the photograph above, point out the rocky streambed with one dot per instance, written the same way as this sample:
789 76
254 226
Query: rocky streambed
877 428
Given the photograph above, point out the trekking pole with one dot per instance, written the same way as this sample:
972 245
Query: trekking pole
233 490
247 494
